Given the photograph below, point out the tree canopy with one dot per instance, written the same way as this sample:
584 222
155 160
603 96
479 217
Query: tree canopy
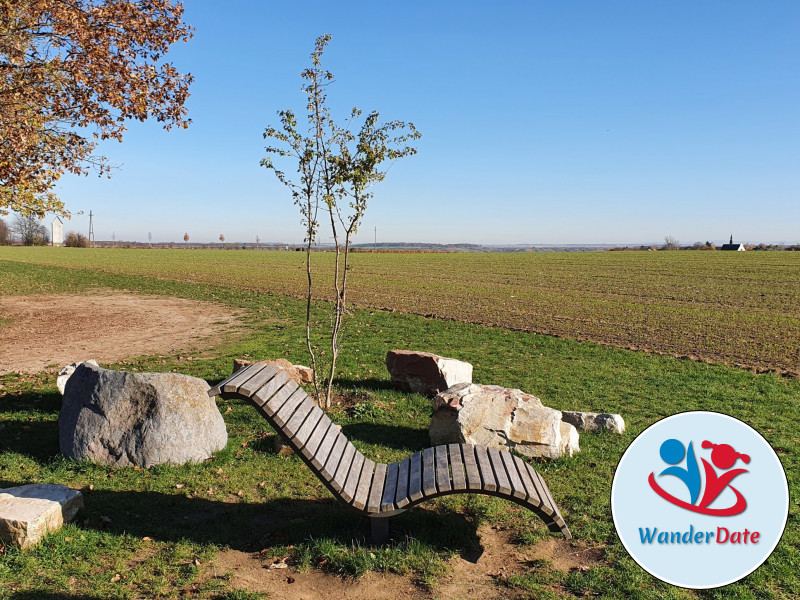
80 64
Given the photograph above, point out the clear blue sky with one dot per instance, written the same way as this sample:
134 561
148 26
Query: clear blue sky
542 122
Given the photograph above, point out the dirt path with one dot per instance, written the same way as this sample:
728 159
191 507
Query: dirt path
40 332
474 577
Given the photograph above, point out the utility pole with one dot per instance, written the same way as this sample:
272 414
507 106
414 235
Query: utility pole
376 236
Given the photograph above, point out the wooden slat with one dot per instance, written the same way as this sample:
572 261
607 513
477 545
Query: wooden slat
321 455
428 472
390 487
310 449
442 469
353 475
503 484
457 467
272 386
298 418
537 483
334 457
287 410
485 466
252 385
547 496
517 487
243 376
235 380
415 478
376 489
364 481
281 396
340 477
401 495
530 489
304 433
471 467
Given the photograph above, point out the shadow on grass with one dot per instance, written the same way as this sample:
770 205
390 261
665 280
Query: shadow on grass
37 439
393 436
251 527
48 402
371 384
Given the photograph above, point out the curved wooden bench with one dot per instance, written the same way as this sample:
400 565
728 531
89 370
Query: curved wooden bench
376 489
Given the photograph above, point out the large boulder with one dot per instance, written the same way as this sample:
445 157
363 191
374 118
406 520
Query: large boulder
139 419
426 373
589 421
29 512
503 418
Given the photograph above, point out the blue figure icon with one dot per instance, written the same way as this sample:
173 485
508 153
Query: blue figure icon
672 452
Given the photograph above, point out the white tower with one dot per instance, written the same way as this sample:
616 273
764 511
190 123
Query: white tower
58 232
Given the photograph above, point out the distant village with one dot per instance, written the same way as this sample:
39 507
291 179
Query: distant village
32 232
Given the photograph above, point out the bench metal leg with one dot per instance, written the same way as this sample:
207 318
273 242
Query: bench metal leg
380 529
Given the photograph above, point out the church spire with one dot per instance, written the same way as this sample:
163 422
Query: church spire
731 239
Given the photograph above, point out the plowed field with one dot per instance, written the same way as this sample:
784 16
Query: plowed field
734 308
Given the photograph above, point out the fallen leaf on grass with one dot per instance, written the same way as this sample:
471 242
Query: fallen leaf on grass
116 578
180 486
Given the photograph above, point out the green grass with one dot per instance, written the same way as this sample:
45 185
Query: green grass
159 528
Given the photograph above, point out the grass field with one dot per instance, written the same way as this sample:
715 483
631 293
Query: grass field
153 533
728 307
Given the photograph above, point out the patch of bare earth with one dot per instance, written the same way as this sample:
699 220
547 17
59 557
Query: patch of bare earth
472 576
42 331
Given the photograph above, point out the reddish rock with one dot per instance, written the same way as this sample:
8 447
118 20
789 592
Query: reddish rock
426 373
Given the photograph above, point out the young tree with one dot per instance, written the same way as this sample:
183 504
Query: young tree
89 64
336 168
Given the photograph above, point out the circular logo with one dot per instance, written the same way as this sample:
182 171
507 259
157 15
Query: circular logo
699 500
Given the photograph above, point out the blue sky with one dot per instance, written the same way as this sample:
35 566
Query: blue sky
542 122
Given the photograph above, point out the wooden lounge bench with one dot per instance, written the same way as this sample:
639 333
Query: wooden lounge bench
379 490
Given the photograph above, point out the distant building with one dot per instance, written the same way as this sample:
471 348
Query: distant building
731 246
58 232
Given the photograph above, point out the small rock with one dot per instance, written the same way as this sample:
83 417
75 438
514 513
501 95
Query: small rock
426 373
29 512
66 372
282 447
306 373
299 373
589 421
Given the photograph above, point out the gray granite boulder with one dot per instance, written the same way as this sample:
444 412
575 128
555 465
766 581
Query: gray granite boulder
426 373
29 512
503 418
139 419
589 421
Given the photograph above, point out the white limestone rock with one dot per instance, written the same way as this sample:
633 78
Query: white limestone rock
66 372
29 512
503 418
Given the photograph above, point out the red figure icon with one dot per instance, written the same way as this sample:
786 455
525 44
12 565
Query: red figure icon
724 457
